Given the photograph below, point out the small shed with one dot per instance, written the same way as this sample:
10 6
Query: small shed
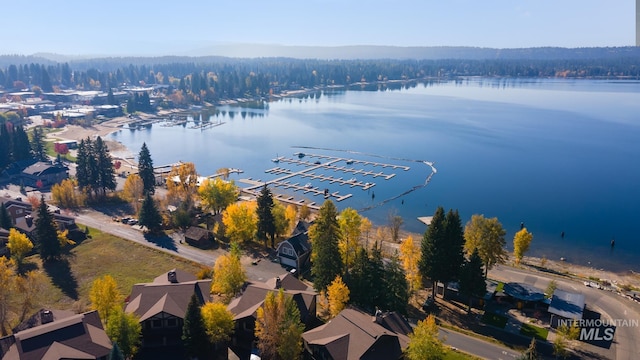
197 236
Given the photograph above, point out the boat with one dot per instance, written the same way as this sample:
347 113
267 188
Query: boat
277 159
317 162
352 180
308 185
300 155
349 162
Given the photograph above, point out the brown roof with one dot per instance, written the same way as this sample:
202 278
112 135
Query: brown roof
354 335
254 294
150 299
75 337
196 233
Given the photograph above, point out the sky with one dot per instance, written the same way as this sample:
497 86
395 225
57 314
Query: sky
162 27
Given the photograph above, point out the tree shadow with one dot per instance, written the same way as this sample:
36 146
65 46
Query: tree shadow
25 267
162 240
60 273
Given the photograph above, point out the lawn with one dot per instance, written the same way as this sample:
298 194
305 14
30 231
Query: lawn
129 263
494 320
534 331
457 355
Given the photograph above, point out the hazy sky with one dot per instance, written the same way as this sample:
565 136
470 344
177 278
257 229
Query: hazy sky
141 27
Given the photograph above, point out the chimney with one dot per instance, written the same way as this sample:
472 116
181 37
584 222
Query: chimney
172 276
29 220
46 316
278 283
378 317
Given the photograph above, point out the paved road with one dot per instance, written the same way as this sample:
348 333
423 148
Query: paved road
610 305
477 347
262 271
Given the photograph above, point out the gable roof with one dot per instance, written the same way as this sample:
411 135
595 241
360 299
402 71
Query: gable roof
196 233
40 168
163 296
75 337
354 335
254 294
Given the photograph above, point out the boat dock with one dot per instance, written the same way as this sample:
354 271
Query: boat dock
312 163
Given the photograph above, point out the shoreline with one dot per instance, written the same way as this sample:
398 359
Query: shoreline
121 152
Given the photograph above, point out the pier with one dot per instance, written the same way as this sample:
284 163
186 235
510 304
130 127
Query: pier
312 163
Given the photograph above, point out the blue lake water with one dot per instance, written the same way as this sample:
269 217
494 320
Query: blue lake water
558 155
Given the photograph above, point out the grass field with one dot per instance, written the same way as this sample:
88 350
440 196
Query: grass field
494 319
457 355
127 262
534 331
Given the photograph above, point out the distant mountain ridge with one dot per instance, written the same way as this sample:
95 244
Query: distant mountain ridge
363 52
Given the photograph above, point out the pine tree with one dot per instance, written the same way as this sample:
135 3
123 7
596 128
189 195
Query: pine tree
472 283
266 221
396 287
46 233
115 353
5 144
37 144
325 255
110 99
145 169
194 335
106 175
431 248
21 146
149 215
454 247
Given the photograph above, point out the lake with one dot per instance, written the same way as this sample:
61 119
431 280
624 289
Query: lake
558 155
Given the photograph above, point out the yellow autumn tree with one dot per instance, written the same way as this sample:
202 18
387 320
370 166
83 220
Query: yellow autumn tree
30 288
410 257
19 245
7 291
228 274
521 243
241 221
338 296
133 191
104 296
424 343
278 328
349 221
65 194
182 183
217 194
365 230
291 213
218 321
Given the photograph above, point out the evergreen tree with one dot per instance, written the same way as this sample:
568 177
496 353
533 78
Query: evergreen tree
325 255
115 353
145 169
359 281
37 144
5 144
266 221
194 334
454 247
86 167
376 280
45 80
106 174
431 263
5 218
472 283
396 287
21 146
149 215
46 233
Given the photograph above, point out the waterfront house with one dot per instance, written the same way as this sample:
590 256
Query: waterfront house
57 335
295 252
44 174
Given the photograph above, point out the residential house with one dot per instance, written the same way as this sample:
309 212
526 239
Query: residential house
16 208
27 225
161 306
356 335
57 335
244 308
44 174
295 252
197 236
